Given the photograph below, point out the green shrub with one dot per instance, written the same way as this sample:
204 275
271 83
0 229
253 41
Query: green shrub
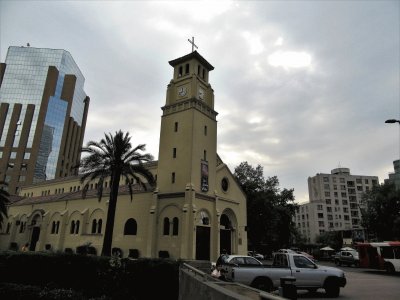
91 276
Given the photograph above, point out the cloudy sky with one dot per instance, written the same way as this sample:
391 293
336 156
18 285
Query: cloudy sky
301 87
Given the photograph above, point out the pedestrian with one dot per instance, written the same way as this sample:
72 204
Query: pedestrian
25 247
221 258
218 272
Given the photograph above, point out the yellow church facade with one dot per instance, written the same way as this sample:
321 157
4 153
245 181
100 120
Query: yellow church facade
195 210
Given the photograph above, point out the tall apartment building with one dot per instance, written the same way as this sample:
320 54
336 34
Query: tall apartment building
335 205
43 111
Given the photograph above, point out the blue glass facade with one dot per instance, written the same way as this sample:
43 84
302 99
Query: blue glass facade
24 85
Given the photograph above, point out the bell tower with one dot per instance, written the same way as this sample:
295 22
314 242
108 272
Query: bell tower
188 136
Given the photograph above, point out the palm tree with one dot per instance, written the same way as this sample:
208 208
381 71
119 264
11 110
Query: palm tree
114 157
4 200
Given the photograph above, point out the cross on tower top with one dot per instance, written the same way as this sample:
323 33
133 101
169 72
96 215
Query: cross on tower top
193 44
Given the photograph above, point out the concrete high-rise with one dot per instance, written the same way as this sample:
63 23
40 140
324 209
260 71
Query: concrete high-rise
335 205
43 111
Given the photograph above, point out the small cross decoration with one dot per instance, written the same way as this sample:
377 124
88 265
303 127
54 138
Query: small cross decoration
193 44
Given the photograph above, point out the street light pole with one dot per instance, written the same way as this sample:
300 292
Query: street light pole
391 121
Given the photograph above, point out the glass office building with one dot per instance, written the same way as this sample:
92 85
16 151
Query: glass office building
43 111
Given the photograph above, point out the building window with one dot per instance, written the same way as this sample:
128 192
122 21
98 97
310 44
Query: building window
77 226
326 179
174 153
27 155
166 226
205 130
366 181
321 224
319 206
94 226
72 229
13 155
21 178
175 226
180 71
326 186
187 69
176 127
327 194
99 225
130 227
24 167
205 155
328 201
173 177
7 178
320 215
10 166
341 180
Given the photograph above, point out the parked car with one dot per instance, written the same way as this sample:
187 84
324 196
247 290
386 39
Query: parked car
286 251
347 258
256 255
238 260
309 276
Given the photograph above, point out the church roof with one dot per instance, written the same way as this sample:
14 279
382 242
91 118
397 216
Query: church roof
123 190
189 56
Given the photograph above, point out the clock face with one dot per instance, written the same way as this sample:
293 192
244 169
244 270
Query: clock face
201 93
182 91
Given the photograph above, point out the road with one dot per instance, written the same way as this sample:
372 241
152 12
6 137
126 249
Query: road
362 284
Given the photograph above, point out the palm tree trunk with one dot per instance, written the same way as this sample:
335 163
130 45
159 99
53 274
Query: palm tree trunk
108 234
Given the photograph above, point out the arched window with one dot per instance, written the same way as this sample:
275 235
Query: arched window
77 227
99 225
94 226
57 226
180 71
166 226
130 227
175 226
53 227
72 229
224 221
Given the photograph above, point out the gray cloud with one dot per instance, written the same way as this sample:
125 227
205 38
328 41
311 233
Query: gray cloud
296 122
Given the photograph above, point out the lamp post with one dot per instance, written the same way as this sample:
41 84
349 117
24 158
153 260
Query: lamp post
391 121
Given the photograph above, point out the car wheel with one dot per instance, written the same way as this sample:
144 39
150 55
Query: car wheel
389 268
263 284
332 290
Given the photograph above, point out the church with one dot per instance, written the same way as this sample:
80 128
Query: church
196 209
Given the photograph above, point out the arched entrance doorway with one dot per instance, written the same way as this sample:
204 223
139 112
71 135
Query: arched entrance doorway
203 236
225 233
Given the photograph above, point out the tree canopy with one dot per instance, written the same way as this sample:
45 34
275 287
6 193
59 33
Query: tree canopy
381 218
270 209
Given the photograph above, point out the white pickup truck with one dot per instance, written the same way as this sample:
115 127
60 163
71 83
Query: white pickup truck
309 276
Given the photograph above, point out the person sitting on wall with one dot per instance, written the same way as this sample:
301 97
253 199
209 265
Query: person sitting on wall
218 272
25 247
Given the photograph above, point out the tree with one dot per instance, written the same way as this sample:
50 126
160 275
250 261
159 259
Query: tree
330 238
382 214
4 200
114 157
269 209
